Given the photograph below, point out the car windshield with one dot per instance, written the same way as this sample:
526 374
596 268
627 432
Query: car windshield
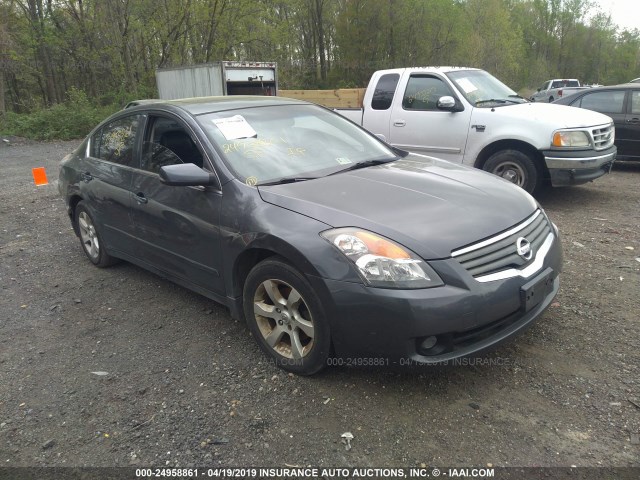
482 89
290 142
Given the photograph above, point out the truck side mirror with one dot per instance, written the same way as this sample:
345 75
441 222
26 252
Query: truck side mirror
449 104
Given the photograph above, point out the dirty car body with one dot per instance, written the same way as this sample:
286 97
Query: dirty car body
330 243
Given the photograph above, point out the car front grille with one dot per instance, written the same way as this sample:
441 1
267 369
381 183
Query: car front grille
500 253
603 136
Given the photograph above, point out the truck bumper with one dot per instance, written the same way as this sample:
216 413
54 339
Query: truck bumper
574 168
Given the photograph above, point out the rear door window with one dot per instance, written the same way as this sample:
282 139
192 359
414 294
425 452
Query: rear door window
635 102
383 93
116 141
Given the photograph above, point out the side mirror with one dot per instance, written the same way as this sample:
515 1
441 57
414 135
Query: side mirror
186 175
381 137
449 104
538 90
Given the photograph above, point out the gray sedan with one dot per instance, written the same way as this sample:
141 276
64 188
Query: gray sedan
334 247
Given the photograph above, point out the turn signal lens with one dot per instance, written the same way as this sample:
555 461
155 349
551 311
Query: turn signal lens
380 246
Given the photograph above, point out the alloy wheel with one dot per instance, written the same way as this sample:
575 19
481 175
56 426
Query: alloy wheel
88 236
284 319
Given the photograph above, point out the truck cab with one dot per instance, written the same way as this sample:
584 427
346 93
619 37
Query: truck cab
557 88
467 116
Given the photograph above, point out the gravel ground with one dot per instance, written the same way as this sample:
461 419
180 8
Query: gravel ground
118 367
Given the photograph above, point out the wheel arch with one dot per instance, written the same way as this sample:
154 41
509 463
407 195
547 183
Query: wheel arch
74 200
524 147
260 250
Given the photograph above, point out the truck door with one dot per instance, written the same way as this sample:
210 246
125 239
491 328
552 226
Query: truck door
419 126
377 114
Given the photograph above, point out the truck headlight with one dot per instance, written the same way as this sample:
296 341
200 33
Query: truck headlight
568 138
382 262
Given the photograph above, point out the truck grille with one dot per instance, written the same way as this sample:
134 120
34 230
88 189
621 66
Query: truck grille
501 252
603 136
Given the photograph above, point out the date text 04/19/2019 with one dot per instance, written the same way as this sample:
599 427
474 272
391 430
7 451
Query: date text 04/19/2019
311 472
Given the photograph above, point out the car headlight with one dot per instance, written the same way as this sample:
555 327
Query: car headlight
382 262
568 138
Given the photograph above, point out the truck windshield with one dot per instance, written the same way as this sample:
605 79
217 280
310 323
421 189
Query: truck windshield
282 143
483 90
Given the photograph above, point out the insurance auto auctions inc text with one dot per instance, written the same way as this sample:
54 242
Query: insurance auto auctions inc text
325 473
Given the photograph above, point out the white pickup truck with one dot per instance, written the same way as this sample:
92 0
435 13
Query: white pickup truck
557 88
467 116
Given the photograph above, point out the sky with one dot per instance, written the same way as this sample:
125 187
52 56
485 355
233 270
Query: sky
624 13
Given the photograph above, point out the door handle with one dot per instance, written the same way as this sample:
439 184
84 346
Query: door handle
399 123
140 198
634 120
87 177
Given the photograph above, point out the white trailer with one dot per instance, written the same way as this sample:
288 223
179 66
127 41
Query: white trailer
218 78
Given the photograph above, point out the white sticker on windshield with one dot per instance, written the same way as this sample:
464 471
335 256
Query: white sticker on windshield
343 161
234 127
466 85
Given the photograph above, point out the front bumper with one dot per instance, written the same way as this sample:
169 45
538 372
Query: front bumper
466 316
577 167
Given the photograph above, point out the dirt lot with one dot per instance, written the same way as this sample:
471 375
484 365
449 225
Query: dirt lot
119 367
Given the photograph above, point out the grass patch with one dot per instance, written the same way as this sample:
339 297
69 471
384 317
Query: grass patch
65 121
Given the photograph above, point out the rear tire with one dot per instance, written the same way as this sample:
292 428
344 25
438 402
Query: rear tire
286 318
90 238
551 99
517 167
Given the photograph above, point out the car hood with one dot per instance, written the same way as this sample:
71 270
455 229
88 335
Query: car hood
430 206
560 116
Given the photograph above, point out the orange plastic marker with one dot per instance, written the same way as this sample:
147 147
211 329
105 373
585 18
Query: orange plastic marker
39 176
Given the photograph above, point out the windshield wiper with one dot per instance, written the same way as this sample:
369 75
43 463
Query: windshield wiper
366 163
519 96
284 180
495 100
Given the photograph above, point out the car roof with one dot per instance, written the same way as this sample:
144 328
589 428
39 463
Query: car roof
202 105
622 86
146 101
581 93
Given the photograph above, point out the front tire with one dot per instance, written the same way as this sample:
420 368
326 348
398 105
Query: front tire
515 166
286 318
91 241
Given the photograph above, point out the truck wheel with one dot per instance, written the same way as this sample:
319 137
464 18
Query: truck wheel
550 99
515 166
